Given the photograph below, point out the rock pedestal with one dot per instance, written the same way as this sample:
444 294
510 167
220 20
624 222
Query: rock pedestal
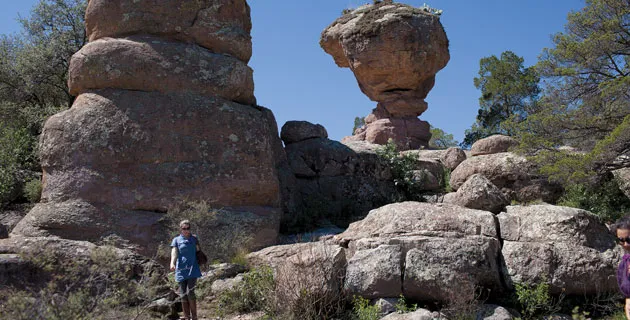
165 112
394 51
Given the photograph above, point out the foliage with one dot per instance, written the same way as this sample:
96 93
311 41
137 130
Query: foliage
403 307
33 83
402 167
359 122
253 293
441 139
16 154
84 288
535 299
604 199
33 190
509 93
586 99
362 310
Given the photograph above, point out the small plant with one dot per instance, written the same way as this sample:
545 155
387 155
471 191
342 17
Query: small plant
254 293
535 299
403 307
33 190
345 11
430 10
362 310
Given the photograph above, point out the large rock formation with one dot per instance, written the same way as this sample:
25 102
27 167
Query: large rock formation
165 112
394 51
331 181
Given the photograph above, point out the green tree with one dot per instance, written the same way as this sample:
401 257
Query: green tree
358 123
33 83
509 93
441 139
587 95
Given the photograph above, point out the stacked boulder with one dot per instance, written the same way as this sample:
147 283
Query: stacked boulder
493 176
165 112
394 51
331 181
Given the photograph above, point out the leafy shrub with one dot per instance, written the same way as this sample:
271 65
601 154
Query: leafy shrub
33 190
362 310
253 293
83 288
605 200
16 153
403 307
535 300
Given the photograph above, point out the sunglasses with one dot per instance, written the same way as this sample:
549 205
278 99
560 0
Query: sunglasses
622 240
188 228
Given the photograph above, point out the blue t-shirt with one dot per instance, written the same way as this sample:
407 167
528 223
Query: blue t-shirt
187 266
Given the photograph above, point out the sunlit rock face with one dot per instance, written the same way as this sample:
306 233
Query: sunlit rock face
165 112
394 51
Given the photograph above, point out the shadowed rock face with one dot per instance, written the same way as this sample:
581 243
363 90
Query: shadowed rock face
394 51
165 112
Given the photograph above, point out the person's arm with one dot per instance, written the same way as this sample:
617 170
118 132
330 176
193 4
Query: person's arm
627 308
173 258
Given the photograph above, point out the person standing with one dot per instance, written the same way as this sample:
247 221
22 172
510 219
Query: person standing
184 262
621 229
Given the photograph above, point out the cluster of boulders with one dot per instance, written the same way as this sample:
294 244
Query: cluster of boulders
165 112
394 51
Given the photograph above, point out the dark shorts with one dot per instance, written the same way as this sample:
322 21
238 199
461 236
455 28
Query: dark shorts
187 289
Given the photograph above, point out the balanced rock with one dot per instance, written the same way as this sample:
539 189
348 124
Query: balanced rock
394 51
296 131
165 113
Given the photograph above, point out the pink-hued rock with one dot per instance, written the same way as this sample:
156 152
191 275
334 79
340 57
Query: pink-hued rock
153 64
135 150
222 26
394 51
493 144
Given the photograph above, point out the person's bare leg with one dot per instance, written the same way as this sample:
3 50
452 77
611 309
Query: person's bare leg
186 309
193 309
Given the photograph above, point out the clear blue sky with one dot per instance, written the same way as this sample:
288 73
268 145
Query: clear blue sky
296 79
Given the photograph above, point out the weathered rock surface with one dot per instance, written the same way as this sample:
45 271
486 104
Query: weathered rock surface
336 182
316 267
493 144
394 51
420 314
502 169
623 176
479 193
440 243
495 312
222 26
165 114
375 273
453 157
569 248
296 131
153 64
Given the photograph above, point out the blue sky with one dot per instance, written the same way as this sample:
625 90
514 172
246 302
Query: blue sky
297 80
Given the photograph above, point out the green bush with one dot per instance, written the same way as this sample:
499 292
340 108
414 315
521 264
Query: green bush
403 307
17 152
33 190
535 300
362 310
254 293
605 200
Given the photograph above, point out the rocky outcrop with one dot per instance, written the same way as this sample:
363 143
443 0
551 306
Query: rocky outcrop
493 144
333 182
394 51
432 250
479 193
569 248
165 112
